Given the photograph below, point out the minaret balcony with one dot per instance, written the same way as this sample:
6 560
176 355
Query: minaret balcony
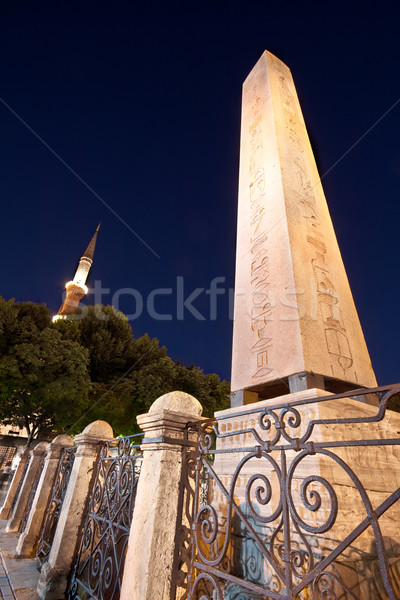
73 287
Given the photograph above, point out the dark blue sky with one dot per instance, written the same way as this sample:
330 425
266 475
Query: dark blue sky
142 101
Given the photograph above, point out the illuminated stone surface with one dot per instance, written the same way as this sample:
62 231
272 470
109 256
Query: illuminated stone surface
27 542
54 573
5 511
149 563
22 500
294 310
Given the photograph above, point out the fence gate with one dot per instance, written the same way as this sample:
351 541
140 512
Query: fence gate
296 502
98 567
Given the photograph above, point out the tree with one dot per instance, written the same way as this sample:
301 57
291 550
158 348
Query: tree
129 374
121 402
108 337
60 377
44 381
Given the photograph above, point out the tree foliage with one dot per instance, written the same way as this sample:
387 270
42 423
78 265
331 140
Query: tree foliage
60 377
44 380
128 374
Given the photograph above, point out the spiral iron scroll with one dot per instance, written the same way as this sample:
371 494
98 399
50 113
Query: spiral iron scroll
283 532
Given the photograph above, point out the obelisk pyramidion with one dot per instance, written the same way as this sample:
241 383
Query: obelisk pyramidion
295 322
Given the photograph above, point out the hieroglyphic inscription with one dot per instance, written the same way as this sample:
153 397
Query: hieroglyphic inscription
260 304
336 339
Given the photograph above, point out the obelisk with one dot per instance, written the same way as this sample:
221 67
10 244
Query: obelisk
295 321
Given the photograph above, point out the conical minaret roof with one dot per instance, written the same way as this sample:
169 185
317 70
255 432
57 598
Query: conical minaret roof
89 252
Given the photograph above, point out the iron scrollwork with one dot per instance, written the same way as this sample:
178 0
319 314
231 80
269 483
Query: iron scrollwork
53 511
273 520
98 567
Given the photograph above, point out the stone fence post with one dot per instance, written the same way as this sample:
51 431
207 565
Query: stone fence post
5 511
26 546
20 505
54 573
150 555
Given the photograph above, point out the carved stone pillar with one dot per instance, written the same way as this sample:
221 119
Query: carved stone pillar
26 546
19 508
54 573
149 561
5 511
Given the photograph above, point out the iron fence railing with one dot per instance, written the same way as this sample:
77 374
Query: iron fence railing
297 501
54 506
98 567
25 516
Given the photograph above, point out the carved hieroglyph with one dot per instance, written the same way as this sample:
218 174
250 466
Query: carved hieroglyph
294 310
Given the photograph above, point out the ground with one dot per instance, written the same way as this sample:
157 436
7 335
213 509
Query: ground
22 572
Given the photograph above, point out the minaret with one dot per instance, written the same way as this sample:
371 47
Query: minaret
77 288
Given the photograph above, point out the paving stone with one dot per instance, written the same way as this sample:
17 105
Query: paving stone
22 573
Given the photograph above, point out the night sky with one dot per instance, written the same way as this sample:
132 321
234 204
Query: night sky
142 102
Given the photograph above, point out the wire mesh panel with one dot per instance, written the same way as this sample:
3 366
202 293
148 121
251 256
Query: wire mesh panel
297 501
98 568
25 516
54 507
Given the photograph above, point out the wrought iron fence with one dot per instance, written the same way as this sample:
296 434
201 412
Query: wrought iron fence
98 567
21 481
301 502
25 516
54 507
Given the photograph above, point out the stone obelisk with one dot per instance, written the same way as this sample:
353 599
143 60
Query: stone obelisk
295 322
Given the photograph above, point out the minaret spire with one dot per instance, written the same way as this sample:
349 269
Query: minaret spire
89 252
77 289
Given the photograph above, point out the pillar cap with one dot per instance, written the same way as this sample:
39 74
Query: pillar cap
98 431
62 440
56 446
40 448
179 402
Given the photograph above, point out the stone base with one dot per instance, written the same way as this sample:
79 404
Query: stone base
51 583
375 470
